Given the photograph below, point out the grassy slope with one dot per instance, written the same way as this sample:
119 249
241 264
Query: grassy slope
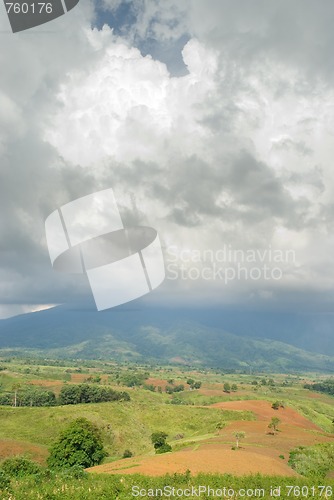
124 425
129 425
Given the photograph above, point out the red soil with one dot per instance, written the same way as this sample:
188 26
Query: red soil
260 451
11 448
264 411
209 458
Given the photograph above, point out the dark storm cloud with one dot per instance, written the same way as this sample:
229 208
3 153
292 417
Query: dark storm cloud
237 147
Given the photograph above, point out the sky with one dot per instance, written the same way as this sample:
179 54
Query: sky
212 121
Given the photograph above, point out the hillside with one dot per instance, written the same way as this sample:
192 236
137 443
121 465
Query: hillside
142 335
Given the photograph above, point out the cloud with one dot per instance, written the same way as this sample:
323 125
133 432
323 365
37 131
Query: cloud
235 150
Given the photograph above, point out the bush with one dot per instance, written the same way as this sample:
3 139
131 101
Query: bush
80 444
165 448
313 461
20 466
74 472
127 454
4 481
159 442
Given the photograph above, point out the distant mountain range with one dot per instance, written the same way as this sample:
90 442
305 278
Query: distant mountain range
210 338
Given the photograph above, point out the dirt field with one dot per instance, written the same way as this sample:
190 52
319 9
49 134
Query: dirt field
209 458
47 383
157 382
79 378
260 451
263 411
11 448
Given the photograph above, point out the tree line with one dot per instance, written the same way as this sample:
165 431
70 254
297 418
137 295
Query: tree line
70 394
326 386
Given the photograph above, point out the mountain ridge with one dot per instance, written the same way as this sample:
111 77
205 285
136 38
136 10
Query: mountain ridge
141 334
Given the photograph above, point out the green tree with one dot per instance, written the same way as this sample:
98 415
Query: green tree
80 444
238 436
275 421
234 387
227 387
159 442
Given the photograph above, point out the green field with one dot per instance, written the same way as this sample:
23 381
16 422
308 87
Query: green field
185 416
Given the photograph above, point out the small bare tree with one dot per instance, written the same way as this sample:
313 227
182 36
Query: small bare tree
15 388
238 436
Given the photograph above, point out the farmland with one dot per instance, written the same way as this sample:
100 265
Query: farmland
201 423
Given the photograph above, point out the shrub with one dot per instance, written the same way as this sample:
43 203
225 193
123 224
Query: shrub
127 454
149 387
227 387
80 444
74 472
159 442
165 448
313 461
4 481
20 466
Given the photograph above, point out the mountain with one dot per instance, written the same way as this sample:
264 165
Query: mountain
129 333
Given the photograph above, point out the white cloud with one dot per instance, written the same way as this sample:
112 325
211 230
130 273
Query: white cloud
126 106
239 151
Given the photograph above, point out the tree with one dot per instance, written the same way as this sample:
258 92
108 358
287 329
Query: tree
193 384
227 387
234 387
159 442
15 388
79 444
277 405
219 427
238 436
275 421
